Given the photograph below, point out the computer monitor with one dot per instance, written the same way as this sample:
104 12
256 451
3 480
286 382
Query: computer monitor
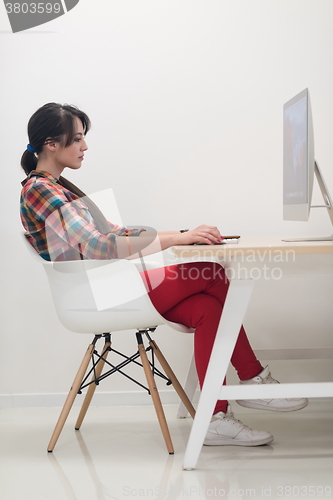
299 165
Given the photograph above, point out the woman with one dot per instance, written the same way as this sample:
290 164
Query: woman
61 224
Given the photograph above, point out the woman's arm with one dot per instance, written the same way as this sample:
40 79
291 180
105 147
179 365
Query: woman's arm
203 233
149 242
70 223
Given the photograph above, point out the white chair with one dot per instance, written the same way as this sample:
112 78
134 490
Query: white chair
98 296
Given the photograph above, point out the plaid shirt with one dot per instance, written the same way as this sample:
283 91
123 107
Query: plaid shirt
59 225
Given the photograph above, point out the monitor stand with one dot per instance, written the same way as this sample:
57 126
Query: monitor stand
328 204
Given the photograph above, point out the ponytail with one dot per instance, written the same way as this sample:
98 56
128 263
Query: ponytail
56 121
28 161
51 121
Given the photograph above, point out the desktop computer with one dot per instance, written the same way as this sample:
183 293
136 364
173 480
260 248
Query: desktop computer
299 164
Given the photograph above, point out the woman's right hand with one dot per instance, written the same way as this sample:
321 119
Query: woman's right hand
203 234
149 242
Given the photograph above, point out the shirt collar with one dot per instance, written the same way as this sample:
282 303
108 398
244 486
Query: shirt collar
40 173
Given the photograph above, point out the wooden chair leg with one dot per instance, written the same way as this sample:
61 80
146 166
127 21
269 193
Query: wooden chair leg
156 398
71 397
92 386
170 374
190 387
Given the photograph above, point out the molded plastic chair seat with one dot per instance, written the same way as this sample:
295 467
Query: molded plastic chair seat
99 296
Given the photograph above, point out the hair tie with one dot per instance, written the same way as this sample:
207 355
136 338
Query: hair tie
31 149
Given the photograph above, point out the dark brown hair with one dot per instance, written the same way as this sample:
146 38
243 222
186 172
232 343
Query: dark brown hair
57 122
51 121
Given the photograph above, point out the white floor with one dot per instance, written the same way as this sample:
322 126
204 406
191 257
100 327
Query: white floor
119 453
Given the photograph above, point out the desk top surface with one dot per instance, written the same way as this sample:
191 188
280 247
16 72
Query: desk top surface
259 246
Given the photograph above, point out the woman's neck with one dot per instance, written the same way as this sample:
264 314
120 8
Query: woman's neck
49 167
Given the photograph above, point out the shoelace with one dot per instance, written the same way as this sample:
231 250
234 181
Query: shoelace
230 417
270 380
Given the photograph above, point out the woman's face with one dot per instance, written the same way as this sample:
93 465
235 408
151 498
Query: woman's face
72 156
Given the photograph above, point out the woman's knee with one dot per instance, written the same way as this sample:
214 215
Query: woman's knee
208 310
207 271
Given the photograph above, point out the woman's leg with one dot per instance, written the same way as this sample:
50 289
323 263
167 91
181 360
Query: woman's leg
194 294
202 312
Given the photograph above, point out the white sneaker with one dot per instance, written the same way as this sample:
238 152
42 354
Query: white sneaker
270 404
224 429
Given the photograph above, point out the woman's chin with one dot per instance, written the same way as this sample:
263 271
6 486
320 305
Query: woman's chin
75 167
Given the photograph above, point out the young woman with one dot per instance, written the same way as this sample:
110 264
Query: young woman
61 224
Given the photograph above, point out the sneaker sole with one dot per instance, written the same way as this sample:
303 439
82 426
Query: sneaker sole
259 406
233 442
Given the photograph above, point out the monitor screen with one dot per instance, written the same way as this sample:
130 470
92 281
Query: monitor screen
298 157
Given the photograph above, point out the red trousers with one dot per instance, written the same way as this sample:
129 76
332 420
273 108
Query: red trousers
193 294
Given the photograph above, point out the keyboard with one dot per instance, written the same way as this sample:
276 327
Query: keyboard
226 241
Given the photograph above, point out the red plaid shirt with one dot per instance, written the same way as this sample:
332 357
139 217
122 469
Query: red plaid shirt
59 225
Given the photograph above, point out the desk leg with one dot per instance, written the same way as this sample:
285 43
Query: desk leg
234 310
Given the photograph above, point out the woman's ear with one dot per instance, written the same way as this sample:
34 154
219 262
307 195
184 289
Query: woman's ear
50 144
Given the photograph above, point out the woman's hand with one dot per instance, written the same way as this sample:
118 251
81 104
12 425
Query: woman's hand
149 242
202 234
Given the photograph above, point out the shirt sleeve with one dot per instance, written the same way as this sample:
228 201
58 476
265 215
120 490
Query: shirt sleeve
123 231
73 224
69 223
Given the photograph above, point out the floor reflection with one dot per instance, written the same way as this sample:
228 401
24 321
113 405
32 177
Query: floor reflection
120 454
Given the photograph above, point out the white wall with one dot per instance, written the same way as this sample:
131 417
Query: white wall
186 101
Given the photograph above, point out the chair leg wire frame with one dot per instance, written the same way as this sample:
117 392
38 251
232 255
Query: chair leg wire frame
98 363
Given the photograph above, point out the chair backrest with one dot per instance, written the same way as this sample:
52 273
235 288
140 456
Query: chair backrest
99 296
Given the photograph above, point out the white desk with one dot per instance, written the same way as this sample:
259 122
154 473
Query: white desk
244 263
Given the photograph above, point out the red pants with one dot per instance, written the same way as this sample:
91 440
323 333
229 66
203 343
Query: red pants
193 294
